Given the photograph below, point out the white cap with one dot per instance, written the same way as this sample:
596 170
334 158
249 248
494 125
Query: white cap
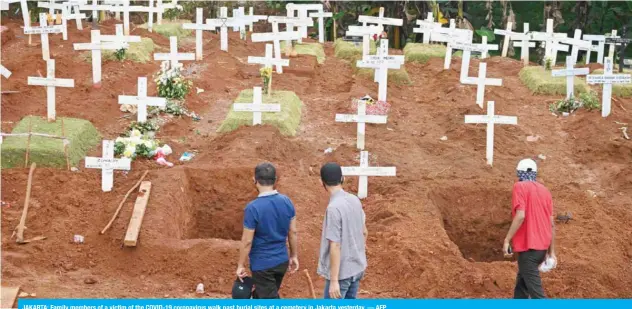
527 164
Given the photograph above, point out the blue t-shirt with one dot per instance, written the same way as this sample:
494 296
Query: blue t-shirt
270 216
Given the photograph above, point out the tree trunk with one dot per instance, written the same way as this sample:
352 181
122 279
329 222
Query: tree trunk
581 12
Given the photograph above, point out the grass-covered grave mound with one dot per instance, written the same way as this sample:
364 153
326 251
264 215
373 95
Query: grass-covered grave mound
351 51
140 52
540 81
309 49
45 151
422 53
287 120
169 28
618 90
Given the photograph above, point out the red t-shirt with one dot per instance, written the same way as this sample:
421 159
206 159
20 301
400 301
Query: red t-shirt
536 202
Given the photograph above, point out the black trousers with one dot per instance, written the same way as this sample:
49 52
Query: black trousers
528 282
267 282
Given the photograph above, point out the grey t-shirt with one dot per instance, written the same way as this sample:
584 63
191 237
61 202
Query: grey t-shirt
344 224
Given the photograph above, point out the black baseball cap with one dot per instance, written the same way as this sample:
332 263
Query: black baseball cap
242 290
331 174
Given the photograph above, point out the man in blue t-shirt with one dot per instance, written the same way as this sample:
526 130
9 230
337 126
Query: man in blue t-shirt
269 221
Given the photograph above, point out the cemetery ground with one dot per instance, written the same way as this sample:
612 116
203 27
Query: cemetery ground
435 230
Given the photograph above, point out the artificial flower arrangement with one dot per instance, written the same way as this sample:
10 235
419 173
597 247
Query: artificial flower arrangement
170 82
373 107
136 145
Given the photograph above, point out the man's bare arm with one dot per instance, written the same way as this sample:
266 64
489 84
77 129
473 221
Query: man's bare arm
246 245
552 246
293 238
334 260
515 225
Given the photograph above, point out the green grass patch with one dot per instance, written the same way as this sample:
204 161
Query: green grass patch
618 90
350 51
49 152
422 53
287 121
540 81
170 28
311 49
137 52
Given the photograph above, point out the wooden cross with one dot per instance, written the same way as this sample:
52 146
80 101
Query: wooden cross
481 82
120 37
5 72
96 46
383 63
50 82
365 32
223 22
142 100
362 119
256 107
524 44
268 61
607 79
44 31
199 27
173 56
108 164
576 42
426 27
364 171
490 119
570 74
275 37
599 48
508 34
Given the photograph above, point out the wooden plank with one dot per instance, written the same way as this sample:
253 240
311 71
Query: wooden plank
9 296
133 229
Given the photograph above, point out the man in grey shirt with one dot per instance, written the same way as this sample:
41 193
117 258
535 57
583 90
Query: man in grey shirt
342 260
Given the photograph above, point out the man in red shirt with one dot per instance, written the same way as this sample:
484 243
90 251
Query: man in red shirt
532 230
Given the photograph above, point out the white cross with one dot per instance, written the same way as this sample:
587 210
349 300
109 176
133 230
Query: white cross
73 6
362 119
380 20
64 15
96 45
120 37
252 18
485 48
4 72
199 27
108 164
50 82
173 56
275 37
490 119
24 8
116 3
365 32
607 79
465 62
576 42
570 74
612 46
268 61
126 9
364 171
302 10
165 6
383 63
426 27
599 48
238 13
551 41
481 82
290 23
223 22
94 7
256 107
44 31
142 100
450 36
524 43
321 23
508 34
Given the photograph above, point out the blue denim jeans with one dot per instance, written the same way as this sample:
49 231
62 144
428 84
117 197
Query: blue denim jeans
348 287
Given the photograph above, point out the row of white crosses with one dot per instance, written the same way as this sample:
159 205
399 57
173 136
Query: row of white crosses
98 44
380 21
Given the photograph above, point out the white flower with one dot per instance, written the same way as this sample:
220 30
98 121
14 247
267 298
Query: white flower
135 133
129 151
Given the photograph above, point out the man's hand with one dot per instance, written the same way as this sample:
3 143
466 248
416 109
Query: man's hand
506 249
241 272
334 289
293 267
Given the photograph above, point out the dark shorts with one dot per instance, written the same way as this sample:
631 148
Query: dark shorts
268 282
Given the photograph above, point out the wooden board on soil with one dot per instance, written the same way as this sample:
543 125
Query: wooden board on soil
10 297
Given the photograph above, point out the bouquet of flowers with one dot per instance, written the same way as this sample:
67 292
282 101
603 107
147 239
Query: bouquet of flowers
135 145
372 107
170 82
379 37
266 75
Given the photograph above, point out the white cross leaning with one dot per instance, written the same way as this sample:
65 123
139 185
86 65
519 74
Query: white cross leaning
362 119
599 48
268 60
290 23
44 31
450 36
108 164
576 42
199 27
426 27
24 8
120 37
275 37
365 32
607 79
524 43
256 107
74 12
508 34
5 72
481 82
383 63
223 22
490 119
50 82
570 74
142 100
173 56
64 14
467 49
96 45
380 20
364 171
